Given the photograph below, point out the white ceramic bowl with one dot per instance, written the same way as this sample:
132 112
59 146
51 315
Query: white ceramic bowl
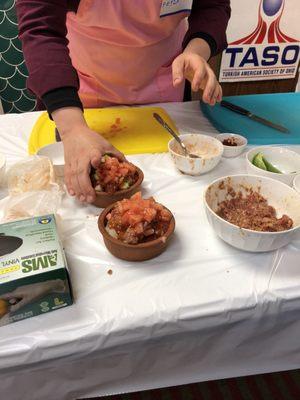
296 183
209 149
284 159
233 151
284 199
55 152
2 169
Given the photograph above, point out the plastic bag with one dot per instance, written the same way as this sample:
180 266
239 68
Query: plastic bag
33 190
31 174
31 204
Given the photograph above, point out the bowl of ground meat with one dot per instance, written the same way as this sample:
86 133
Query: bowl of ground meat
253 213
115 180
136 229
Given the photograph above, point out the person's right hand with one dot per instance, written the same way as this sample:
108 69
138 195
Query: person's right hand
83 149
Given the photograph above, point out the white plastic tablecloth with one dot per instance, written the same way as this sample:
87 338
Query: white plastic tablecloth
202 310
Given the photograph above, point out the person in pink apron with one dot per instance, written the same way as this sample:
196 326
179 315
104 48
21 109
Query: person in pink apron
97 53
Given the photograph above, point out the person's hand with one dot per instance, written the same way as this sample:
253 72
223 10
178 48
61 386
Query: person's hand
27 294
83 150
192 65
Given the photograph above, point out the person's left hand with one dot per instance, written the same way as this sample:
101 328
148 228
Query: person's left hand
192 65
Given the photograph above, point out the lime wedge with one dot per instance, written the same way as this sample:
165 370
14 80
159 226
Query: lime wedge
271 167
258 161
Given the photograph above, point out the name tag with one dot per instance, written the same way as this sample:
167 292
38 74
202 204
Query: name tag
169 7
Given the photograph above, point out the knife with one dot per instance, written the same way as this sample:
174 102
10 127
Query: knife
247 113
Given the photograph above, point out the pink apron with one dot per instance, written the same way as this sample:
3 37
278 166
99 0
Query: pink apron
123 51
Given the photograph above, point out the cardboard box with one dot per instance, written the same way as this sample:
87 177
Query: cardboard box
33 271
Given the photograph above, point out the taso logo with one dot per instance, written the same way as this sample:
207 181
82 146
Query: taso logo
268 27
266 53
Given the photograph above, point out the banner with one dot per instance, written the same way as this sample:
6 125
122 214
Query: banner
264 41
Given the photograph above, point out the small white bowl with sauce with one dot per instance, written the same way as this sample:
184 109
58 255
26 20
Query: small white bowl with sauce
233 144
208 149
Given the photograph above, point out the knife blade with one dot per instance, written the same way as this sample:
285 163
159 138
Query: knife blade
249 114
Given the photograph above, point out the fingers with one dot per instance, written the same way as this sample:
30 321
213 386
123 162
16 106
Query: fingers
77 180
68 183
220 94
202 76
178 70
87 192
96 156
73 177
217 95
120 156
210 87
198 77
80 155
196 72
194 68
212 91
68 174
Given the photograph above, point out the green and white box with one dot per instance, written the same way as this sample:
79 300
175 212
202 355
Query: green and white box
33 271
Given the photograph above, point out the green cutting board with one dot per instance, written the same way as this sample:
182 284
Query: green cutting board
281 108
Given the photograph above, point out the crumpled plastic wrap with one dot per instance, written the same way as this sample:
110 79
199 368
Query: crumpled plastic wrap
31 174
31 204
33 189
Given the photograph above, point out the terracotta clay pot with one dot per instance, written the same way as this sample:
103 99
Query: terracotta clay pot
134 252
104 200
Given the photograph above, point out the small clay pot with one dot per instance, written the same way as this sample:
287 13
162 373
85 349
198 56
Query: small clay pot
134 252
104 200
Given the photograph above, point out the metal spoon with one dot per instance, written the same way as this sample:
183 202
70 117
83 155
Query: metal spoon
175 136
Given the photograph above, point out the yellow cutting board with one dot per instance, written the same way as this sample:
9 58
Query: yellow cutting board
132 130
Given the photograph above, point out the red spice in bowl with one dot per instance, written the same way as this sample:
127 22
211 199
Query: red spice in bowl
231 141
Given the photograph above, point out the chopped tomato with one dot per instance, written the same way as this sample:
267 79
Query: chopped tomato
138 220
113 175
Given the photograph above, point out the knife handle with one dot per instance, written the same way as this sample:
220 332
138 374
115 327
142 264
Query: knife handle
235 108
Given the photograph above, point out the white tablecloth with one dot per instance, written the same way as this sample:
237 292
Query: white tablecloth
201 311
